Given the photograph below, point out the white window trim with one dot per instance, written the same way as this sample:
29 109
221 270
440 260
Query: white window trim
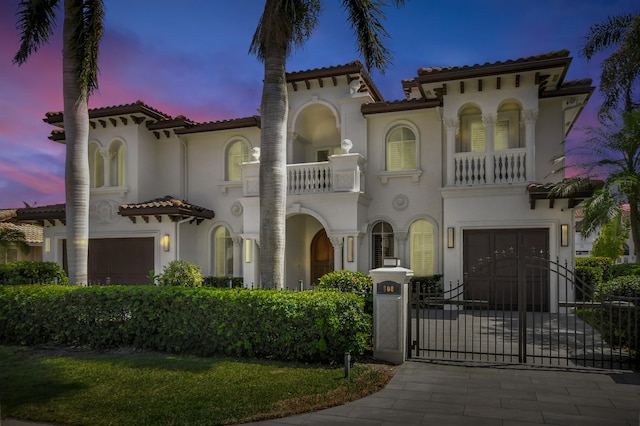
384 176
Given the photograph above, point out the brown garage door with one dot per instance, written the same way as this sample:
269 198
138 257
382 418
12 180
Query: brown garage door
119 260
497 260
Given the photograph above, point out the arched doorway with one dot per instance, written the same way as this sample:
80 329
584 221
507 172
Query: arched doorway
321 256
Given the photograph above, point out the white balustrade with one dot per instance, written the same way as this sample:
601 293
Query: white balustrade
309 178
509 166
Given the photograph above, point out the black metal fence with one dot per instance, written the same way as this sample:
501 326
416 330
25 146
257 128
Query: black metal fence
524 310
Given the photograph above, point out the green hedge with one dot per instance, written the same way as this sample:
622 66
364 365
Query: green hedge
304 326
223 282
619 318
31 272
623 269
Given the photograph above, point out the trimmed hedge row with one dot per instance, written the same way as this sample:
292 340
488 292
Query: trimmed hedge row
304 326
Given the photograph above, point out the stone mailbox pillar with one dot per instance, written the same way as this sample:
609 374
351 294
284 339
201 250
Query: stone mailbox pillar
390 306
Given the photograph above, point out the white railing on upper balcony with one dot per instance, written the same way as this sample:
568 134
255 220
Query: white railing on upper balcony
471 168
309 178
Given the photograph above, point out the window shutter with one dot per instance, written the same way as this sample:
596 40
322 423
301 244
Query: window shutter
220 252
238 153
421 246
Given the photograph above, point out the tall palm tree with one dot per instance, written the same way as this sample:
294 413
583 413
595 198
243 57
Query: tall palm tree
621 69
81 34
286 24
11 237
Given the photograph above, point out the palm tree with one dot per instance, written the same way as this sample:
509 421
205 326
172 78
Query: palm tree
11 237
286 24
612 150
621 69
82 31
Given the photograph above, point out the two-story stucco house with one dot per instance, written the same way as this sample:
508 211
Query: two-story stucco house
456 169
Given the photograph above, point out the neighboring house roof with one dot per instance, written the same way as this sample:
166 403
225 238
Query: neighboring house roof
7 214
544 191
167 206
32 233
237 123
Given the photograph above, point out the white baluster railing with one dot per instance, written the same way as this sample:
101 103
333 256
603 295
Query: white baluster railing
509 166
309 178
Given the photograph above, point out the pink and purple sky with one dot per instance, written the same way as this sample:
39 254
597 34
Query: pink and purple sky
191 58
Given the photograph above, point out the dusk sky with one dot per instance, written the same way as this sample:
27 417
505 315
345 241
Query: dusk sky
191 58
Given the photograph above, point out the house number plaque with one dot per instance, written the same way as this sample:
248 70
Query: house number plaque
388 287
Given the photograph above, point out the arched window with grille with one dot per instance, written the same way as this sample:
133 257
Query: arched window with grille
237 153
401 149
382 243
222 253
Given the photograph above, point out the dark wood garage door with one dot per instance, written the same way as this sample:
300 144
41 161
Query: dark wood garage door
119 260
495 262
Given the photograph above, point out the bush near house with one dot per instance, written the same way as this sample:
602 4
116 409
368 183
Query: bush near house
304 326
617 319
590 272
31 272
180 273
349 282
223 282
622 269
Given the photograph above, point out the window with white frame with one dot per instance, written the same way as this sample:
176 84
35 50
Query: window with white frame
471 131
96 166
116 160
507 129
381 243
237 153
401 149
421 246
222 253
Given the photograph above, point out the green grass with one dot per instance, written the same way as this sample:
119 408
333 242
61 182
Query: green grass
94 389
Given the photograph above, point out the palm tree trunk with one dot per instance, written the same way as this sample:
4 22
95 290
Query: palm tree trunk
76 126
273 169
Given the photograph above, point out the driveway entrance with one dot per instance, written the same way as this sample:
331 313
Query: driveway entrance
537 321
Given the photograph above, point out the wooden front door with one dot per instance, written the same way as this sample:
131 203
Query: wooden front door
321 256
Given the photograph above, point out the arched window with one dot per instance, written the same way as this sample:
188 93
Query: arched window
381 243
237 153
507 131
222 253
116 155
96 167
471 131
421 243
401 149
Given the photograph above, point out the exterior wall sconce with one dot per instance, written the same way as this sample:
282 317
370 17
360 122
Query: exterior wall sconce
350 249
450 237
564 235
247 250
47 245
165 242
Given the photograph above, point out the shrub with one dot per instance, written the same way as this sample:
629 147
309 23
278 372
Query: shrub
625 286
181 273
587 278
430 284
223 282
597 262
304 326
346 282
622 269
31 272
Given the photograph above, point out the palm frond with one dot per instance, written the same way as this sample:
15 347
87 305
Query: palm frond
602 36
35 23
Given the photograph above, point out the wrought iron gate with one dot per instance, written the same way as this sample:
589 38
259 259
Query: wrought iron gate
545 316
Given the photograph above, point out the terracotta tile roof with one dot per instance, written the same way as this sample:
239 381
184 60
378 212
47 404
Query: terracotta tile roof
401 105
167 205
349 70
543 191
32 233
6 214
236 123
544 60
41 213
138 107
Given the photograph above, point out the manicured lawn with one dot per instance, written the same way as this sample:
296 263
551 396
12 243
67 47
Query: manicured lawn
77 387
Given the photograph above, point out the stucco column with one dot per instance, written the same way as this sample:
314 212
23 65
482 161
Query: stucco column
337 242
489 121
237 256
451 124
529 118
401 243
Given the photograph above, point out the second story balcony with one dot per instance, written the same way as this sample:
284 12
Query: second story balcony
481 168
341 173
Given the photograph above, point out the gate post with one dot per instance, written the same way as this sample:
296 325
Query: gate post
390 306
